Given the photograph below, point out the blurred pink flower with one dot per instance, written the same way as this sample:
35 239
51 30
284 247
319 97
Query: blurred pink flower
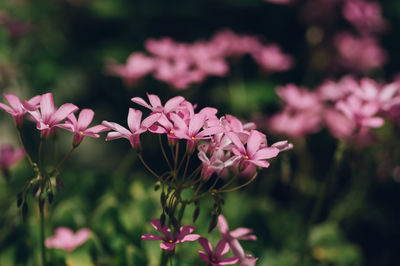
272 59
170 241
48 117
137 66
64 238
359 53
136 127
16 108
297 98
79 127
295 124
230 44
365 16
216 258
9 156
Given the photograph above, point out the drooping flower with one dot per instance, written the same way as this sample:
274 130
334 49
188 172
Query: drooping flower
16 108
9 156
169 240
232 238
136 127
64 238
254 153
48 117
216 258
79 127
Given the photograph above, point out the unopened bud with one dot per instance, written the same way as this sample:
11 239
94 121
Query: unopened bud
41 204
175 223
162 219
213 223
157 186
24 211
163 200
19 199
35 188
50 197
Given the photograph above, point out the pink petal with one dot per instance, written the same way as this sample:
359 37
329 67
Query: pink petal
35 100
195 124
222 248
167 246
236 248
171 104
141 102
235 139
266 153
254 141
117 127
228 261
263 164
97 129
210 131
154 100
179 122
222 224
134 119
162 229
7 108
190 237
47 106
114 135
204 256
240 232
81 236
373 122
151 237
14 101
85 118
62 113
206 245
150 120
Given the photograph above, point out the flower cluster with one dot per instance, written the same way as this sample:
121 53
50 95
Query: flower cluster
181 64
224 142
349 108
229 241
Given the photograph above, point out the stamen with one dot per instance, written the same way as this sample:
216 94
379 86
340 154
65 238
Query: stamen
192 138
246 157
171 132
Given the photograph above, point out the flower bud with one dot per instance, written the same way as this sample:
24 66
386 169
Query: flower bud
213 223
196 213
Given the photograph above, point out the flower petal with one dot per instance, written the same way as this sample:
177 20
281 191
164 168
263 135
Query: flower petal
85 118
151 237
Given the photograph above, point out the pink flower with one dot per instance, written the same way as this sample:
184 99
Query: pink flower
136 127
79 127
255 153
191 132
137 66
360 54
299 98
156 106
16 108
64 238
49 116
365 16
296 124
170 241
216 258
10 156
208 59
272 59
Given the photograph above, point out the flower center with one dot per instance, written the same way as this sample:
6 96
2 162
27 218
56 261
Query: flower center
80 132
170 241
171 132
192 138
213 259
246 157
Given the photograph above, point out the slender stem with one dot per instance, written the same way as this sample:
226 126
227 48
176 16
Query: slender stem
43 249
64 159
40 152
186 167
149 169
243 185
231 181
163 152
170 260
23 146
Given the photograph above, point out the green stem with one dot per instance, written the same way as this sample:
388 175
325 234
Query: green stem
149 169
43 249
26 151
239 187
163 152
64 159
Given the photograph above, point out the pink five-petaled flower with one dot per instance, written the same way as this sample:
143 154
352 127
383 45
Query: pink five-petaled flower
254 153
64 238
9 156
79 127
215 258
155 103
170 241
136 127
232 237
191 132
49 116
16 109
